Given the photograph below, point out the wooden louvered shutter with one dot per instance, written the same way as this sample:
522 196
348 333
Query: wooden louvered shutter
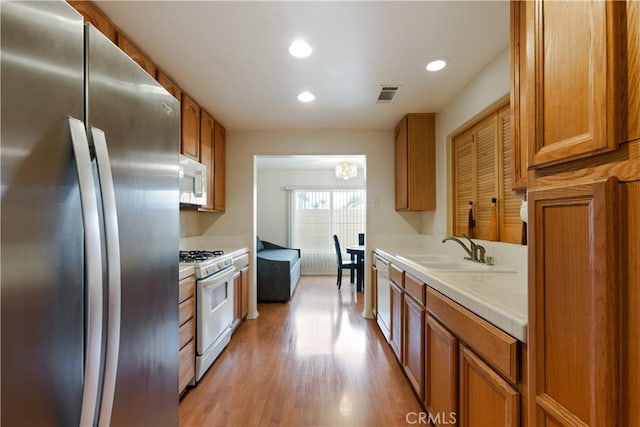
510 224
463 180
486 187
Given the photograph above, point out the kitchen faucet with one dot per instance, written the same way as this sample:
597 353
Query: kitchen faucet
476 252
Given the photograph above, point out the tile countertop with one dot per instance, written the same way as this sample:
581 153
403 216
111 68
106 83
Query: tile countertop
499 298
186 271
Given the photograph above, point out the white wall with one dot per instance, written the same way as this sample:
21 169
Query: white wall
272 203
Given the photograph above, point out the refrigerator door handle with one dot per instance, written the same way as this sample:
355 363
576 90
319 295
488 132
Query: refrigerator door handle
93 271
113 266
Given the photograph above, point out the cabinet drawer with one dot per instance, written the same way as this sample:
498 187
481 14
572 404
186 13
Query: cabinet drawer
415 288
187 365
185 288
396 275
495 346
185 311
186 332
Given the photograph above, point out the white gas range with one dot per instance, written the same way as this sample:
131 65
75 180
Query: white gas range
214 273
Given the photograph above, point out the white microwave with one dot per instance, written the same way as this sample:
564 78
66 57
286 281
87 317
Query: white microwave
193 182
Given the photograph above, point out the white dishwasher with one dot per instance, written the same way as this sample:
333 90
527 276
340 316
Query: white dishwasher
384 296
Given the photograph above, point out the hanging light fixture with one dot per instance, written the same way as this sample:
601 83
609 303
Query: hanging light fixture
346 170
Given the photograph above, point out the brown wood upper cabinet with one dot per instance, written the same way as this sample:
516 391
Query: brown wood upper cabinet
415 154
219 159
94 16
633 71
190 140
170 86
134 53
520 132
576 75
207 125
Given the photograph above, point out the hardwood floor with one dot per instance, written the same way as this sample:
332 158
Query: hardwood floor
312 362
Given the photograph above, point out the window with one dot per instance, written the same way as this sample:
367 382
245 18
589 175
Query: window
481 170
316 215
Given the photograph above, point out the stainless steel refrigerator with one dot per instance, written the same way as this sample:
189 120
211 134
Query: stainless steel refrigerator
89 228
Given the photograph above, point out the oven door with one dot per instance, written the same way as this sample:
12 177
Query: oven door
214 311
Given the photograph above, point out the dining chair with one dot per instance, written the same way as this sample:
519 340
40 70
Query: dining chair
351 265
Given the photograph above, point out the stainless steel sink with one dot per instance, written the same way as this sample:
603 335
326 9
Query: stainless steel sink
444 263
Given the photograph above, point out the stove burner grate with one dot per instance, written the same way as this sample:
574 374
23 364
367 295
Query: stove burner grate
198 256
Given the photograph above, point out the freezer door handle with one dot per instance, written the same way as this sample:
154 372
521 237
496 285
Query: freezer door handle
113 266
93 271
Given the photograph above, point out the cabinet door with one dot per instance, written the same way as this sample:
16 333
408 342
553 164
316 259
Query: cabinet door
486 170
135 54
219 160
510 224
395 340
415 163
187 362
190 142
206 153
630 309
485 398
573 305
401 164
374 291
244 291
441 370
464 181
94 16
633 73
519 105
413 343
576 74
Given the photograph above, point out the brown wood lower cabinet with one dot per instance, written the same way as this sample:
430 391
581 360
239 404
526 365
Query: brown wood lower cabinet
186 324
441 372
486 399
241 295
466 371
413 343
395 339
244 292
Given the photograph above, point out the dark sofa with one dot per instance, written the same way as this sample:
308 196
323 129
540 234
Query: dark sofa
278 271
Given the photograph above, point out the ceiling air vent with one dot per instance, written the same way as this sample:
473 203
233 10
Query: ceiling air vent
386 94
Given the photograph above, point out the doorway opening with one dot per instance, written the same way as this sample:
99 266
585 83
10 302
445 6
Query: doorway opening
302 201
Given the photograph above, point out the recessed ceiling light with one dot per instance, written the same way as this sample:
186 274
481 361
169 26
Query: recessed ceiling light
306 97
436 65
300 49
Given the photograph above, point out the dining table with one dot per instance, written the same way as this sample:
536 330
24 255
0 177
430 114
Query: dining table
357 254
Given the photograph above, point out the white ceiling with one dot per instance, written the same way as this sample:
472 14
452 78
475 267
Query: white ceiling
307 162
232 56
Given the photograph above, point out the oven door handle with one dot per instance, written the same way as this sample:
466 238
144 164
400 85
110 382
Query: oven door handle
215 279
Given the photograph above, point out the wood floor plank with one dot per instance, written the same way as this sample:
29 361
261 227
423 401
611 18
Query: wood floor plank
312 362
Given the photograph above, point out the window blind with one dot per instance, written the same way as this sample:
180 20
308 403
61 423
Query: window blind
316 215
